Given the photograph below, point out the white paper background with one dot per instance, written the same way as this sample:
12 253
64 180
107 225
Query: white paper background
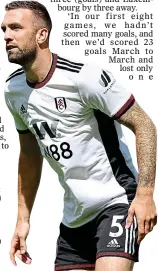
47 211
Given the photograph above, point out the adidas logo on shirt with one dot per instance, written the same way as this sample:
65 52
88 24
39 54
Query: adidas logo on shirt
113 243
23 110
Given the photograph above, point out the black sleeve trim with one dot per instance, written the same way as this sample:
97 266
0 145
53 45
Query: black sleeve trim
125 108
16 74
23 131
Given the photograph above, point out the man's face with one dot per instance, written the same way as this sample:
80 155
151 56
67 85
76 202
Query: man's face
20 36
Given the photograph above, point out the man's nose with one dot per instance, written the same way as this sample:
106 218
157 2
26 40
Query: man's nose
8 35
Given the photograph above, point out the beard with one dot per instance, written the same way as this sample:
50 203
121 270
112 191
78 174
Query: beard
22 56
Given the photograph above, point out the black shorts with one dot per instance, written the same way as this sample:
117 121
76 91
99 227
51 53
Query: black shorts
78 248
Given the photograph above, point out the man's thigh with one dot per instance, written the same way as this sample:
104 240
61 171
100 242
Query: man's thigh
114 264
111 264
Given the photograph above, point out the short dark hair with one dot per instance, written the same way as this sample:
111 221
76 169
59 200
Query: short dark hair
38 9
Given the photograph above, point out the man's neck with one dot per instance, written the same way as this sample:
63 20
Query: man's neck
39 68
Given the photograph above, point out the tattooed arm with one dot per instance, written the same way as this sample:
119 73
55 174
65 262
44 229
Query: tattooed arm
143 205
138 121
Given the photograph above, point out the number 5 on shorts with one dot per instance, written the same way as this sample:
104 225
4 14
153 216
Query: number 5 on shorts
117 224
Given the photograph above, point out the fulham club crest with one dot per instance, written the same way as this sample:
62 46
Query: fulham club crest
60 104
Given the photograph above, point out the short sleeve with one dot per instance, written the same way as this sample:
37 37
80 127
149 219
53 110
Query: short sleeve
20 125
99 90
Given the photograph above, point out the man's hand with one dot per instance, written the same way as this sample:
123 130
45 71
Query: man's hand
143 207
18 244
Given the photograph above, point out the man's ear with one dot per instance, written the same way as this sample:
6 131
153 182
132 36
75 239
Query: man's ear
42 35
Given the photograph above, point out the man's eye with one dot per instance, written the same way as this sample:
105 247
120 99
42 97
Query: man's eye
16 28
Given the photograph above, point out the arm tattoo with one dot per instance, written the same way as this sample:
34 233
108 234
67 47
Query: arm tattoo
139 122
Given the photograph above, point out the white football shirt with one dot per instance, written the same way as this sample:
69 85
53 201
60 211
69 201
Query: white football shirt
72 114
